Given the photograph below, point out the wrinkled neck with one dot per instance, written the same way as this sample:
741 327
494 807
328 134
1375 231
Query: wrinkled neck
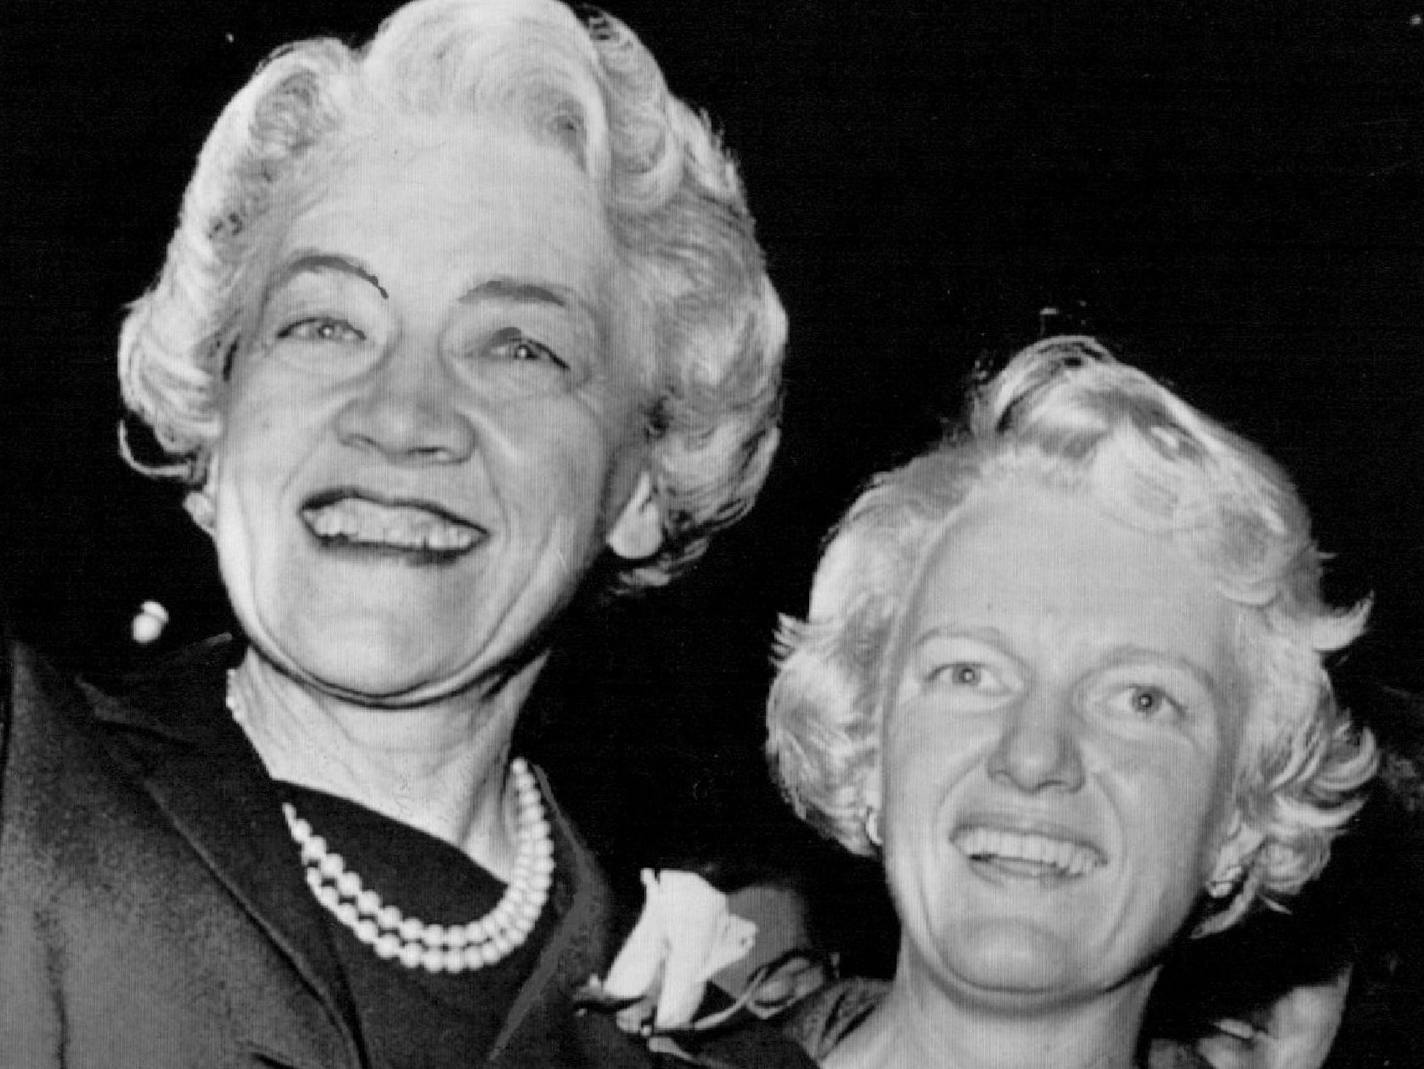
439 767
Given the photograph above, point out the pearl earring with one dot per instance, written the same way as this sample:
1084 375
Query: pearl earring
1224 885
199 504
872 824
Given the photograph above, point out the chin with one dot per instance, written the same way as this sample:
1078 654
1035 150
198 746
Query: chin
368 663
1010 959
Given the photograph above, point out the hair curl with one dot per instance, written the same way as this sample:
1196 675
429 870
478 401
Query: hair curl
1066 414
711 328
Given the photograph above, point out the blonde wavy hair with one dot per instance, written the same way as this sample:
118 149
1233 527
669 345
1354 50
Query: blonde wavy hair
1065 413
710 326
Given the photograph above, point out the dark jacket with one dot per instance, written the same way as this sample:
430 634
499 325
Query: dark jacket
145 925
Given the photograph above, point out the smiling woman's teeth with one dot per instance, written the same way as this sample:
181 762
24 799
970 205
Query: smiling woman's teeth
1052 855
369 523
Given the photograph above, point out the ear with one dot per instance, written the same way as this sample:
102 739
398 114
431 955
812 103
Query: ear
870 815
199 499
638 532
1231 887
870 793
1237 850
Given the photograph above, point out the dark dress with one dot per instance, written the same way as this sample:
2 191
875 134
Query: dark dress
154 915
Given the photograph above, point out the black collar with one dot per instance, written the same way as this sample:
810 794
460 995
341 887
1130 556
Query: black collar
170 728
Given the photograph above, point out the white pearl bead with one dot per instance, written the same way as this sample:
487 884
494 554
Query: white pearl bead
152 618
367 931
411 954
410 929
388 917
388 946
349 884
346 914
433 936
454 960
433 960
332 865
368 902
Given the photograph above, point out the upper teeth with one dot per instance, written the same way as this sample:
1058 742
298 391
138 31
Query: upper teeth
1061 854
404 527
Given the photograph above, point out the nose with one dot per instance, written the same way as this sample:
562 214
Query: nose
407 408
1039 747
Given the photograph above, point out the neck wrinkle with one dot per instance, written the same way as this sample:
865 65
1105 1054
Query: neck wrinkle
441 768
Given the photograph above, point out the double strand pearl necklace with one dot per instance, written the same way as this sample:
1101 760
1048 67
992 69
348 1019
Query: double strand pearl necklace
437 948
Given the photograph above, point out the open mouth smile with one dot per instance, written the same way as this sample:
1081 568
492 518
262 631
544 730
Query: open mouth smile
418 530
1027 854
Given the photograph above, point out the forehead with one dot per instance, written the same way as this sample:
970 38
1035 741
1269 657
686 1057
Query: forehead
1044 566
447 195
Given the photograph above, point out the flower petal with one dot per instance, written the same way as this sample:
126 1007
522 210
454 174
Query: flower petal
703 937
636 967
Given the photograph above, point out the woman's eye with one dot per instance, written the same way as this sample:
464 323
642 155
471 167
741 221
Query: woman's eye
524 350
322 328
1148 702
966 675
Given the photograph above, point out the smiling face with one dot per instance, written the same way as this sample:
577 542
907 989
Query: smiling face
1058 752
433 430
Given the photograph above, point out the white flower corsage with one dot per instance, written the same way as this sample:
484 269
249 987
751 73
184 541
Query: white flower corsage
686 934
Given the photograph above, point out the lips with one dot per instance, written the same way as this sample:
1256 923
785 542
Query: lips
1028 853
358 520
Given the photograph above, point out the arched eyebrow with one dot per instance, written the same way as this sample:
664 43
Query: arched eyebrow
319 262
977 633
1129 655
527 291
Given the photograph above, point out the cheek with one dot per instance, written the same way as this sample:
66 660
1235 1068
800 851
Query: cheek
920 771
560 464
252 427
1178 808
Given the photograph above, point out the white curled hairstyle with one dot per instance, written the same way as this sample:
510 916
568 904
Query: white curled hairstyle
1068 415
708 326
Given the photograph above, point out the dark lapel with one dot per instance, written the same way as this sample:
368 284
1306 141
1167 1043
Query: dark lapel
543 1012
171 731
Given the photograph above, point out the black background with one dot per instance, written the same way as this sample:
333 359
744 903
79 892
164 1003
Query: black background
1230 193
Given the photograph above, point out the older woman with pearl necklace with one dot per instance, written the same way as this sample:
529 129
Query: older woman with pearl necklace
448 322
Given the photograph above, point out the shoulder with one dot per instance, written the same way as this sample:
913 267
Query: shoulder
822 1019
44 713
